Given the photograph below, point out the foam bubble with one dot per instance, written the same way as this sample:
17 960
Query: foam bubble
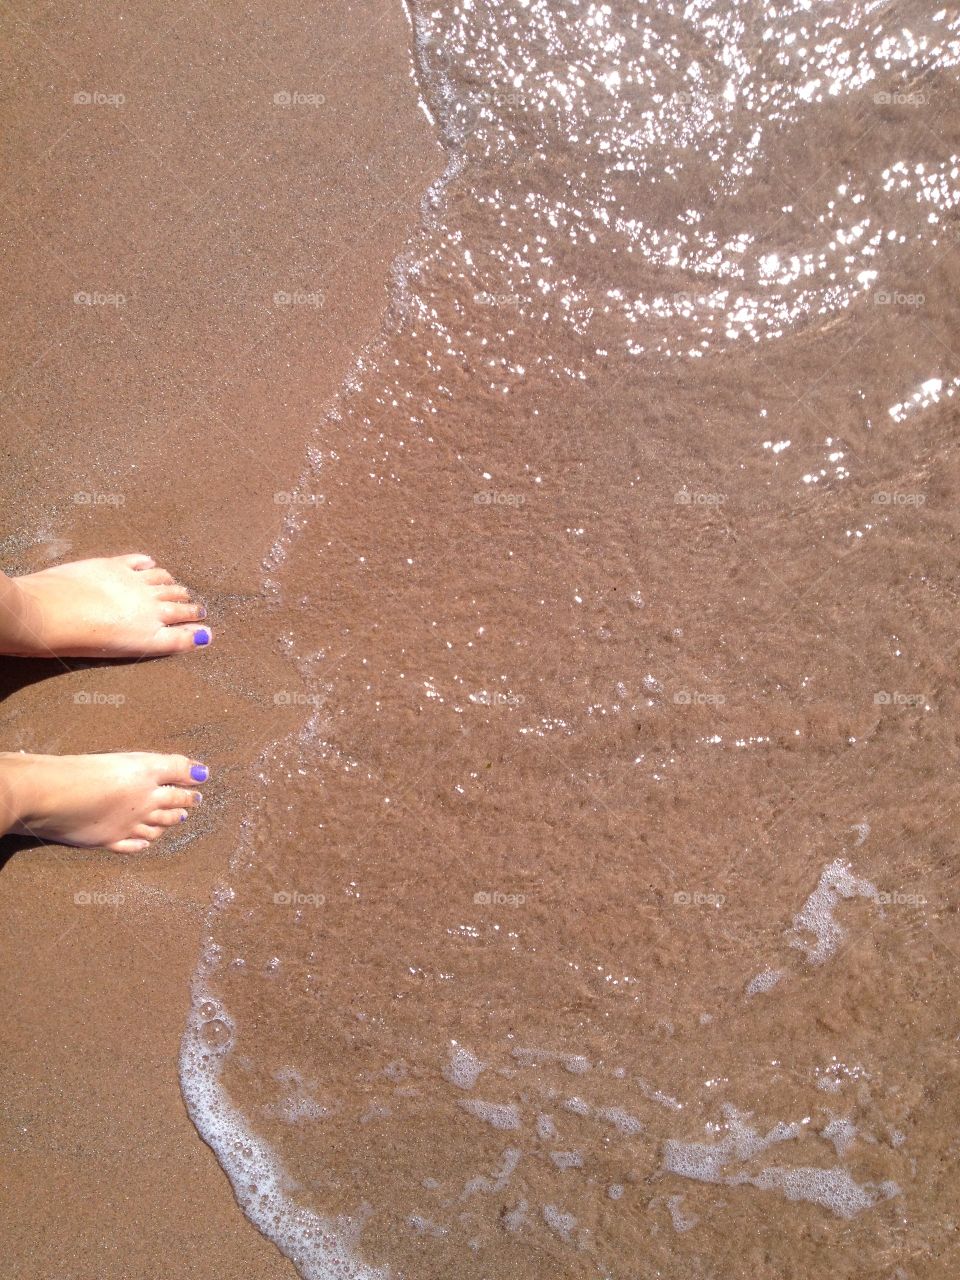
502 1115
836 884
832 1188
681 1220
567 1159
841 1132
464 1067
621 1120
562 1224
316 1247
546 1129
764 981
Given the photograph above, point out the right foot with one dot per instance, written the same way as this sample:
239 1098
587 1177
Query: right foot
110 607
121 801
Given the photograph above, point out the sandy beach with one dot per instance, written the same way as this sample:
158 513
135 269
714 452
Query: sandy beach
554 405
192 265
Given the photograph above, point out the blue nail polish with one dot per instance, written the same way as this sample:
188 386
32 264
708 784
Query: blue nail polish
199 772
183 817
201 636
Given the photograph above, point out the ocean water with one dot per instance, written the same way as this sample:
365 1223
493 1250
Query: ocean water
597 917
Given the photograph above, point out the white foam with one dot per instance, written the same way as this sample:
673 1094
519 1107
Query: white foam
832 1188
657 1095
502 1115
837 883
567 1159
681 1220
546 1129
764 981
562 1224
515 1219
578 1106
464 1067
425 1226
841 1132
316 1247
621 1120
576 1063
498 1182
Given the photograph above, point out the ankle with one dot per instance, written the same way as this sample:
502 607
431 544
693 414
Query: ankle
21 619
19 795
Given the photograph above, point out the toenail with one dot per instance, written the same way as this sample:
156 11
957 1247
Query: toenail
199 772
197 796
183 817
203 612
202 636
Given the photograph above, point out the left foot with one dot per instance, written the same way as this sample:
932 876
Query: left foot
111 607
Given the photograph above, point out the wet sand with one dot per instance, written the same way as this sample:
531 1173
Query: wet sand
164 411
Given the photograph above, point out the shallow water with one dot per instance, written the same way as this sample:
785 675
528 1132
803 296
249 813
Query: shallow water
598 918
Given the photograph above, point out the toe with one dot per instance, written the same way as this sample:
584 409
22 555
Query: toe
173 799
173 612
179 639
171 591
138 561
157 577
183 772
167 817
129 846
145 831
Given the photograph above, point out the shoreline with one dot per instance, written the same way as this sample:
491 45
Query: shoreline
181 413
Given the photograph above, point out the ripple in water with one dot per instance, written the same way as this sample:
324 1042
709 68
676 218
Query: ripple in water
597 909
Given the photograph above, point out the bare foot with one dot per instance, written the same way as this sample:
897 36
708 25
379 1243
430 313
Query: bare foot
112 607
121 801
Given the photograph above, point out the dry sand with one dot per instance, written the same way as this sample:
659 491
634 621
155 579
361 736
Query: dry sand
182 406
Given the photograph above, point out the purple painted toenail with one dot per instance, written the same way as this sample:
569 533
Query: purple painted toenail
183 817
203 612
201 636
199 772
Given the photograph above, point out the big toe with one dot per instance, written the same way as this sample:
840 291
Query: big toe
181 771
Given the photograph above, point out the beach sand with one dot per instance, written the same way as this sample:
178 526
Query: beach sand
164 412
